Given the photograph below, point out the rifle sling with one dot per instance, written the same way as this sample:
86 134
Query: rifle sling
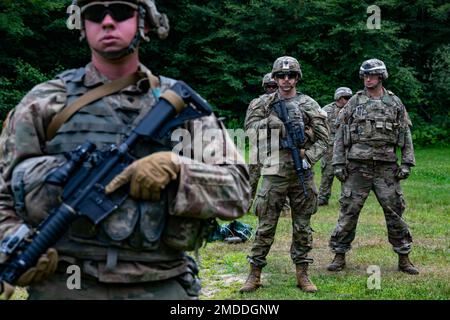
93 95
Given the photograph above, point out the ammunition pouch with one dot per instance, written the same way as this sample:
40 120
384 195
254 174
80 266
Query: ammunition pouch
33 197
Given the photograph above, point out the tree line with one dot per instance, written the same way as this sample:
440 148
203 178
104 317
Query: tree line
222 48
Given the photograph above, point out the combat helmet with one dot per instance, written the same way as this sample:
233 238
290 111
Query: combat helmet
286 64
342 92
267 79
373 66
148 13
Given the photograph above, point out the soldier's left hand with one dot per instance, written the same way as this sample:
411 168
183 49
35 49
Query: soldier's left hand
45 266
403 172
148 175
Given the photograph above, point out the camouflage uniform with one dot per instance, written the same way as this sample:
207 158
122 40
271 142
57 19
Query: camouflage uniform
326 181
332 111
140 248
369 131
280 179
255 169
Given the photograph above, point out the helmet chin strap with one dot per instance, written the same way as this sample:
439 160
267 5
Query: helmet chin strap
119 54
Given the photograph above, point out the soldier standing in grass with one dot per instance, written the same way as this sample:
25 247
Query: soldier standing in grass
371 126
341 97
279 179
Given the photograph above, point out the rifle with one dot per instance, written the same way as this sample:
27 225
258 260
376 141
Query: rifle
84 178
295 136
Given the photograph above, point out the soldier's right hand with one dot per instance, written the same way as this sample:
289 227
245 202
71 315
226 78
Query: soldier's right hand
340 172
148 175
403 172
273 122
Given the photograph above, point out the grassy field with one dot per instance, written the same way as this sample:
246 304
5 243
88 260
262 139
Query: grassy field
224 267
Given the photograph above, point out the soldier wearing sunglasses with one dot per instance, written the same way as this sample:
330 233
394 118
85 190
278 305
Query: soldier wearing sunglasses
341 97
139 251
279 178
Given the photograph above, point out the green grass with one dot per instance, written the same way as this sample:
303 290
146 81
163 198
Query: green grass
224 267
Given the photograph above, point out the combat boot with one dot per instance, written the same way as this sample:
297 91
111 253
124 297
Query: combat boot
303 281
253 281
338 262
405 265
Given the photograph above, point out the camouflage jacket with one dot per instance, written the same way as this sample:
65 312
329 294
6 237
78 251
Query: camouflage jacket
372 129
332 111
301 106
208 187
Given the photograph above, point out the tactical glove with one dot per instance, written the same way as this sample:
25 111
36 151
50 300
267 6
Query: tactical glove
148 176
273 122
340 172
403 172
45 266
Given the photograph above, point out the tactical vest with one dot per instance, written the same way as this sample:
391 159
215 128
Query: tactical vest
281 164
138 230
374 122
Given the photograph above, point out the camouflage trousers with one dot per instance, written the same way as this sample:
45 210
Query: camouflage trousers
56 288
327 171
255 173
270 200
364 176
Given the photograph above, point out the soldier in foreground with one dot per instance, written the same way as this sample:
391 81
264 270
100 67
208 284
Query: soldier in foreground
341 97
371 126
279 177
138 251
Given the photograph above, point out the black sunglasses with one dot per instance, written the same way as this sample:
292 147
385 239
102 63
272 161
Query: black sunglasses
291 75
97 11
346 97
271 86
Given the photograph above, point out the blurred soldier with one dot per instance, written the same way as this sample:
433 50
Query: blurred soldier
341 96
270 86
137 252
279 178
371 126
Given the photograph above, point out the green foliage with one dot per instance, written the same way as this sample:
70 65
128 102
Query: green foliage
223 49
436 133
